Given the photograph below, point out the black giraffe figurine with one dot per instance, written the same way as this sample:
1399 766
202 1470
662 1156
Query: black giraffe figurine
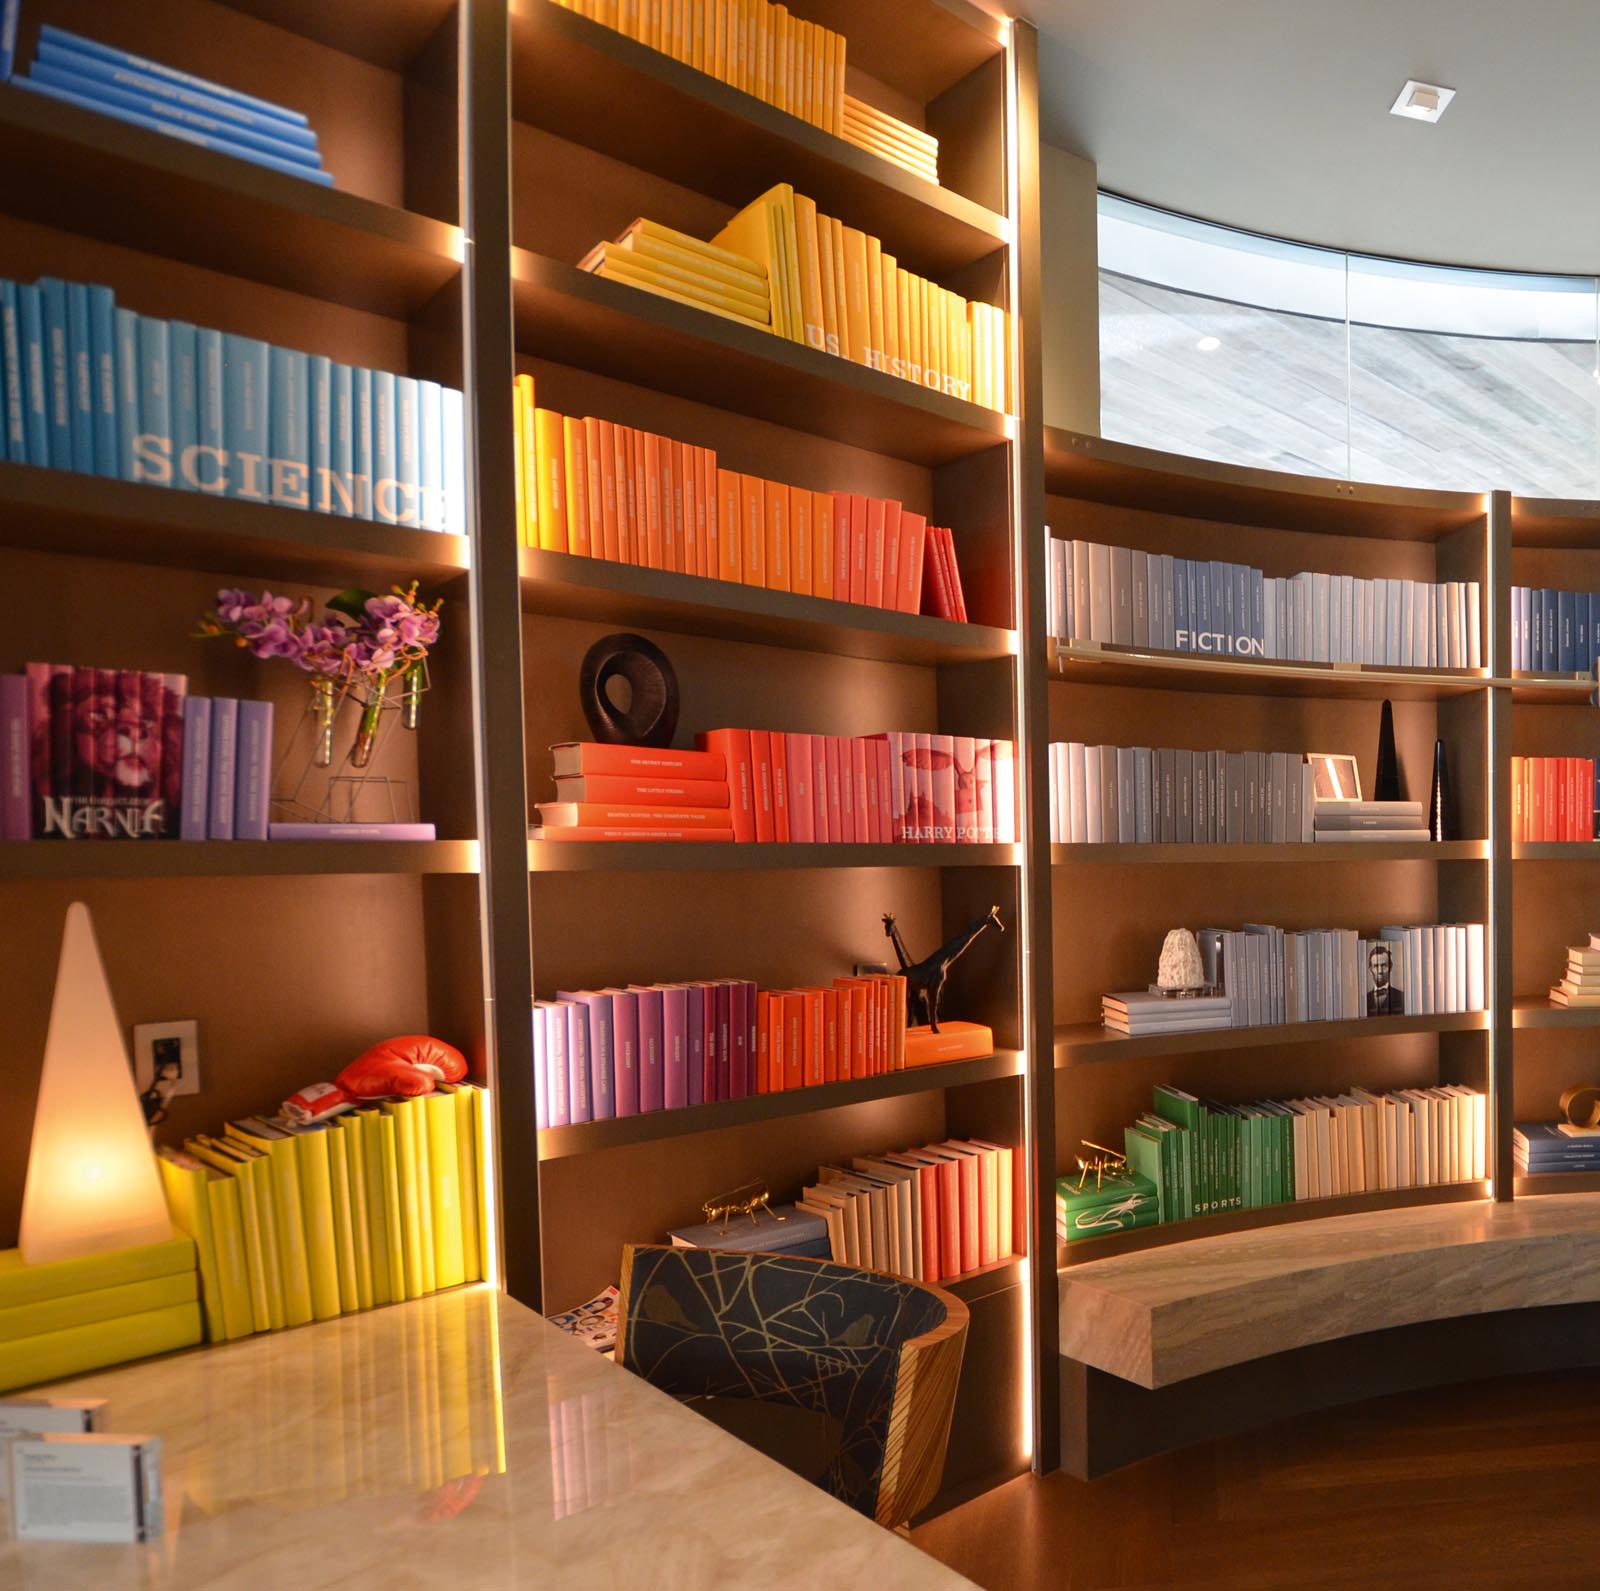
925 979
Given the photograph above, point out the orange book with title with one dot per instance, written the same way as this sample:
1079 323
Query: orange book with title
801 574
621 815
753 511
730 523
603 463
589 758
775 508
822 544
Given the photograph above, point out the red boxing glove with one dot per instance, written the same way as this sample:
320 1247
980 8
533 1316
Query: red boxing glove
403 1067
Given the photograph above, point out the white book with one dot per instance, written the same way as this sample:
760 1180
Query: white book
1363 612
1392 597
1447 945
1474 624
1099 592
1094 832
1139 587
1321 613
1056 561
1077 794
1380 622
1122 596
1408 625
1475 994
1082 597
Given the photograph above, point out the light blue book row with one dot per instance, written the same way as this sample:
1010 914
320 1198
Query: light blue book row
98 389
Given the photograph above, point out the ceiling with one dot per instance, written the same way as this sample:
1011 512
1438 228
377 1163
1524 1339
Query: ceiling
1274 115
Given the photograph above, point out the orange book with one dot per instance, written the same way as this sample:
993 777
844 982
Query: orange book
595 456
732 747
603 459
706 506
857 310
655 511
891 319
730 536
778 758
860 547
844 1041
778 16
801 569
890 595
988 1197
794 1039
671 505
847 349
832 319
874 291
621 815
584 832
872 591
753 498
830 1035
550 469
776 511
642 790
822 544
622 471
577 483
1006 1195
598 759
688 477
763 1042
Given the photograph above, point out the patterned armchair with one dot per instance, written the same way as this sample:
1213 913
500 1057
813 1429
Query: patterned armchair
879 1355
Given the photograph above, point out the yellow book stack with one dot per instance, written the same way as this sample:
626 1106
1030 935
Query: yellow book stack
876 130
761 49
726 281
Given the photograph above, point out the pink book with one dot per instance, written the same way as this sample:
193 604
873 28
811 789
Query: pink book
983 782
675 1046
761 783
741 1052
802 808
869 758
860 830
891 555
963 755
749 1037
819 787
50 778
1005 793
94 753
625 1049
894 746
839 825
927 802
944 789
718 1040
652 1057
14 820
878 751
778 744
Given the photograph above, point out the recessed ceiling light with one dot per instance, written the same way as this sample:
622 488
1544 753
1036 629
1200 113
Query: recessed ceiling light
1209 345
1422 102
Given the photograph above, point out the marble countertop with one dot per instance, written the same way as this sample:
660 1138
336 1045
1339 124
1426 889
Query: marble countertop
457 1441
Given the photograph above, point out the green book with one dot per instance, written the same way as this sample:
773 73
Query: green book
1118 1203
76 1349
1148 1157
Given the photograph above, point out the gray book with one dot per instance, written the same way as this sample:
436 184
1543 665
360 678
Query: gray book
1166 785
1122 596
1184 773
1094 825
1252 798
1216 796
1169 603
1082 602
1144 795
1234 805
1127 796
1099 592
1108 794
1141 597
1293 779
1077 798
1202 798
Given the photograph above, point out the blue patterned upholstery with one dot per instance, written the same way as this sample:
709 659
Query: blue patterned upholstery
783 1329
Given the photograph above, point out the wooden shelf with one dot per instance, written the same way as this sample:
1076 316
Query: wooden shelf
113 859
1296 855
637 856
1168 1232
61 512
1076 662
1538 1011
571 586
1552 690
1555 522
1088 1043
700 133
70 168
386 32
576 318
1555 850
590 1137
987 1280
1117 473
1557 1182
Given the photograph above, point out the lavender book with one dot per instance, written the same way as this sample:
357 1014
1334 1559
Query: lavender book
351 831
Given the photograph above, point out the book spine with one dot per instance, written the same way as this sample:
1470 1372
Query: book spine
551 1022
183 352
16 401
80 378
675 1047
224 766
253 773
625 1020
335 486
174 698
288 427
126 358
245 416
385 481
57 365
9 12
192 814
361 441
407 452
319 430
153 444
14 818
431 511
453 461
36 373
102 379
579 1080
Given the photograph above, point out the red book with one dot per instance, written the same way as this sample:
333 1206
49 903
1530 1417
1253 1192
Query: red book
913 553
830 1035
733 747
949 1168
831 790
891 556
952 568
802 801
816 1039
869 757
841 546
1535 803
937 598
876 534
706 509
573 757
858 543
861 829
781 829
794 1039
761 783
1552 800
847 793
763 1043
878 751
649 792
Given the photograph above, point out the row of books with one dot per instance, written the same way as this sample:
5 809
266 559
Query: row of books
1555 632
1580 987
1554 798
604 490
604 1053
1544 1147
298 1222
1125 597
111 82
101 390
1188 1156
780 266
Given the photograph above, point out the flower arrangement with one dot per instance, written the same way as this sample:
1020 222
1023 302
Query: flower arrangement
363 643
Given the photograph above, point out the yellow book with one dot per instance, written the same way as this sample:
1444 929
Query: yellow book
890 129
962 344
288 1215
977 340
78 1349
410 1196
789 239
482 1126
1008 370
444 1181
887 269
251 1175
649 282
516 435
836 87
183 1181
424 1169
383 1169
21 1283
205 1204
550 473
576 473
466 1109
756 233
911 318
651 259
779 26
716 29
875 356
856 309
355 1158
841 309
643 227
344 1234
697 34
529 484
763 55
832 320
803 37
104 1303
316 1211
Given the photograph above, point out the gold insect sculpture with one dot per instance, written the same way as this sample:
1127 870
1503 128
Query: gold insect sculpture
1101 1164
750 1198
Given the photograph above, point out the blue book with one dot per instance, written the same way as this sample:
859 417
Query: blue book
1567 653
49 34
1182 636
1535 630
103 376
183 353
80 378
58 376
206 471
173 130
35 379
407 454
289 430
244 415
58 74
1258 612
786 1230
336 490
9 11
153 449
252 789
1594 627
126 331
1550 626
224 764
430 459
1582 653
72 57
195 788
384 482
320 368
1242 624
453 425
361 440
16 380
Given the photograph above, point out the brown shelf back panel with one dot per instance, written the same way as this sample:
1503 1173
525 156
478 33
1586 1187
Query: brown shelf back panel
233 859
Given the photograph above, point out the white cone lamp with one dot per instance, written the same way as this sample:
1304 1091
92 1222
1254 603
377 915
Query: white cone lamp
92 1182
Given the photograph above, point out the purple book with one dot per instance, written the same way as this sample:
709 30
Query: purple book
625 1049
700 1005
177 693
652 1024
739 1036
50 749
224 763
541 1073
196 765
15 823
722 1043
577 1015
352 831
553 1019
675 1046
253 777
95 734
602 1075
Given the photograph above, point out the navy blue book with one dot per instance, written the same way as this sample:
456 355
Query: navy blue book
1583 654
1567 653
1550 627
1181 636
786 1230
1545 1145
9 11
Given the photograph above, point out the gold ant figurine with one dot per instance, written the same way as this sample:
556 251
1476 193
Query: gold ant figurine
1104 1163
748 1199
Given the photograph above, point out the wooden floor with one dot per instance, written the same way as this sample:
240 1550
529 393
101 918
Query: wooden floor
1489 1486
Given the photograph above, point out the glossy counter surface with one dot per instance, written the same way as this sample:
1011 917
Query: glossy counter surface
458 1441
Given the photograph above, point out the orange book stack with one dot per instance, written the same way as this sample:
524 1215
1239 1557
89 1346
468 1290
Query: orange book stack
608 792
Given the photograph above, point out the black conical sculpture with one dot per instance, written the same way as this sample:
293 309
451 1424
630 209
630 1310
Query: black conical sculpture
1386 779
1441 805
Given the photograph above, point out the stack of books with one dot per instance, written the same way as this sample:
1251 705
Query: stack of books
1581 986
1542 1147
876 130
1139 1013
1101 1203
926 1214
307 1222
101 390
1346 821
111 82
603 490
1554 798
1555 632
1125 597
831 287
762 49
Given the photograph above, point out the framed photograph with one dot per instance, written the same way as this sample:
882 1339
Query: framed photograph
1334 776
